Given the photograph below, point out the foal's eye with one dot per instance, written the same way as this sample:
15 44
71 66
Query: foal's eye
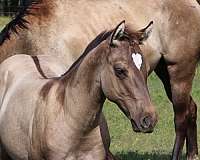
120 72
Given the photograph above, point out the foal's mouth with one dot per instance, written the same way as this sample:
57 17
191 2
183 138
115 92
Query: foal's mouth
138 129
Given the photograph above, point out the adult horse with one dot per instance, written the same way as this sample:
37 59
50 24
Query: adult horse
58 118
56 25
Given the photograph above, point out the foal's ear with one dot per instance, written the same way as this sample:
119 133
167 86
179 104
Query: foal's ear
118 32
144 33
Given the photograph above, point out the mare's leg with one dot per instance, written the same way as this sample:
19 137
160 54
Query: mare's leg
177 81
191 137
106 137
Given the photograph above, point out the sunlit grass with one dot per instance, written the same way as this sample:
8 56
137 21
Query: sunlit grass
4 21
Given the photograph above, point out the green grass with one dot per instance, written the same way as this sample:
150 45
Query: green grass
3 22
156 146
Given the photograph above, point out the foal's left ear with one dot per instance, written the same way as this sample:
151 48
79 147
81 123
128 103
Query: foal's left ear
144 33
118 32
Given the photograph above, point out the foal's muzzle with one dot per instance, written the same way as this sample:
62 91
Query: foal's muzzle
147 124
144 124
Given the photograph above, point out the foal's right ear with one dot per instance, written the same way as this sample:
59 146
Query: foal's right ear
144 33
118 32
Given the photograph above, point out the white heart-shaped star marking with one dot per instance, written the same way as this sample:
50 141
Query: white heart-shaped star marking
137 59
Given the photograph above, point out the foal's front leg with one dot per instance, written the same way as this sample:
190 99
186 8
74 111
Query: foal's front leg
105 135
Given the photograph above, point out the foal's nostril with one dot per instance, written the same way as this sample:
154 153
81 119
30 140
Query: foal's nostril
146 122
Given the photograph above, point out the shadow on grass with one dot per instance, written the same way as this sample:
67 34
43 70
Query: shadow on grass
143 156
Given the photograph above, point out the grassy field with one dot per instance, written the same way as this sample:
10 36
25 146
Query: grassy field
156 146
3 21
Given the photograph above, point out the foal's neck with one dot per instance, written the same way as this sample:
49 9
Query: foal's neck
84 89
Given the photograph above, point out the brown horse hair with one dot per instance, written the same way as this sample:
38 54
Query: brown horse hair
92 45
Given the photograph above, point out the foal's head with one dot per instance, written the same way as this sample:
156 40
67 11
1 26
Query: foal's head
124 77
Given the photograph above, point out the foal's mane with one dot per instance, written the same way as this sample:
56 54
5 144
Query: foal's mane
128 35
19 22
93 44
